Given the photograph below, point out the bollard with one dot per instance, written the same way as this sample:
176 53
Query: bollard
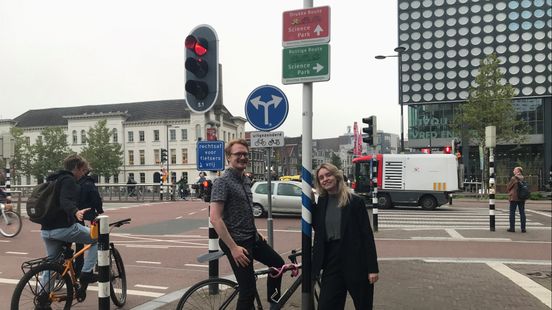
213 247
374 169
8 182
103 263
491 191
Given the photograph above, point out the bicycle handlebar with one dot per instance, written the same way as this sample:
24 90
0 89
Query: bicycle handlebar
274 272
120 223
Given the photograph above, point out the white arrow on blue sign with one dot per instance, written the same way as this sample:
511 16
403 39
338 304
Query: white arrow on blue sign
266 108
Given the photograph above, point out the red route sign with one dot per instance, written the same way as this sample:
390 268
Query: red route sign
306 26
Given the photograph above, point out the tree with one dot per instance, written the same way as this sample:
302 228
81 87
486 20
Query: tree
336 161
105 158
489 104
21 162
48 153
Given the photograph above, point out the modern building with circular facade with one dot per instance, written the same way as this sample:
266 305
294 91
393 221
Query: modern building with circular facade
445 42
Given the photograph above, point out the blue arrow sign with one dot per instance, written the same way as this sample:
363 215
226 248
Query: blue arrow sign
210 155
266 108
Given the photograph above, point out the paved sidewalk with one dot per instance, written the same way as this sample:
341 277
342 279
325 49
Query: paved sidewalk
417 284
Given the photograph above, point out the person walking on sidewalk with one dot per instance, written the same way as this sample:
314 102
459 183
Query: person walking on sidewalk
344 246
515 201
232 217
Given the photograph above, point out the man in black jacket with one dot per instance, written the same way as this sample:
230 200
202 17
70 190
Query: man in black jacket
60 225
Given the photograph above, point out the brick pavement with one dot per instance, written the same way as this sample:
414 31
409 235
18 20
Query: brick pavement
415 284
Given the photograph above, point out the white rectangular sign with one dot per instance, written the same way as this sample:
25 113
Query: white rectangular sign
267 139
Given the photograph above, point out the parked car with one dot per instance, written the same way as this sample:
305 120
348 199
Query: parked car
286 197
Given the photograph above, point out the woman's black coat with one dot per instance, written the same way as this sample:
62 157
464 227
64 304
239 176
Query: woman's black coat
357 246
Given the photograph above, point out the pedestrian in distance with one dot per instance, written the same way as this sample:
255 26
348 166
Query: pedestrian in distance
131 186
91 199
232 217
60 225
344 248
515 201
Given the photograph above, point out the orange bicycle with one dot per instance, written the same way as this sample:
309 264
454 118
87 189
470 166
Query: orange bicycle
53 284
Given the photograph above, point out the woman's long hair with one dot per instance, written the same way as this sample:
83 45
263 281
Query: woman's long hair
343 193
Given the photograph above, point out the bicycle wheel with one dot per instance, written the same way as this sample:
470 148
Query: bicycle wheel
117 278
43 287
10 224
210 294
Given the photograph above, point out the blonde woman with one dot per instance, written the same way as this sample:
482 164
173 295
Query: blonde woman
344 248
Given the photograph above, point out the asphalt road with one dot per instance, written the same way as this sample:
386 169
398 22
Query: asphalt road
443 258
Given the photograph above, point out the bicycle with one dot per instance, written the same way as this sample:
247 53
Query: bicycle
10 222
49 283
220 293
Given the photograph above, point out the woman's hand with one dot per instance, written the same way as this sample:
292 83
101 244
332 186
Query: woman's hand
373 278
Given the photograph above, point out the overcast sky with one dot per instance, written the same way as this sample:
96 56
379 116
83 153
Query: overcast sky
61 53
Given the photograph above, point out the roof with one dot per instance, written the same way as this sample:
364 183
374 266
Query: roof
135 111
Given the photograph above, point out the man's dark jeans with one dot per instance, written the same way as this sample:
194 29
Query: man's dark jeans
262 252
513 206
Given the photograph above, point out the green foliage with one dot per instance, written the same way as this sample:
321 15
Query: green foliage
336 161
21 162
104 157
489 104
48 153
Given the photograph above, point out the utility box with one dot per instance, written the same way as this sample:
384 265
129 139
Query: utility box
7 146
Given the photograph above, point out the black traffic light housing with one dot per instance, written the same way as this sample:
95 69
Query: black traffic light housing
207 187
202 68
370 130
164 156
457 148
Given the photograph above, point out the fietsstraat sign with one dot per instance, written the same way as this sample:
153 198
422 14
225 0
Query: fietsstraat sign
306 26
306 64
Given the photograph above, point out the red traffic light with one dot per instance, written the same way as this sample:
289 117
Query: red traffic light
199 46
447 150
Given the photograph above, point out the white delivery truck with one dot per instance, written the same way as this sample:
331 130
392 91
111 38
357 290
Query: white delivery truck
425 180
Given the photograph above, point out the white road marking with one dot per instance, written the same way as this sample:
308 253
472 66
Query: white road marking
94 288
535 289
454 239
152 286
148 262
196 265
540 213
17 253
178 217
454 234
192 213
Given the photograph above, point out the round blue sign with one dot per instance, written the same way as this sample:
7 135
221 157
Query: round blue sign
266 108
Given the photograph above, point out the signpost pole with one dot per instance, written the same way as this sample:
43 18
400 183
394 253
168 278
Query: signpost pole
269 221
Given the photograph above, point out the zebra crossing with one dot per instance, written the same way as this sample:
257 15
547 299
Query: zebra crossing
465 218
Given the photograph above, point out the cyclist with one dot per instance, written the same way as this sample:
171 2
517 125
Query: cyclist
60 224
232 217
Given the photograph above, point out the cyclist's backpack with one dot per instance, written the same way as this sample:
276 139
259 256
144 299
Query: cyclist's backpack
42 200
523 190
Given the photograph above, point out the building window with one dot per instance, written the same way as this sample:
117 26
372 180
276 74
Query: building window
131 157
184 156
83 136
106 179
142 157
173 156
115 178
115 135
75 138
131 136
156 135
156 156
184 134
172 134
141 136
142 177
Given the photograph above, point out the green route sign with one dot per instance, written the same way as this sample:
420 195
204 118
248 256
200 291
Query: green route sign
306 64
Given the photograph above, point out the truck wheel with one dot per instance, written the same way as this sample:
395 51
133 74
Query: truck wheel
428 202
258 210
384 201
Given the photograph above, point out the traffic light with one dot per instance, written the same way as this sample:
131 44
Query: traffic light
202 68
370 130
447 149
164 155
207 186
457 148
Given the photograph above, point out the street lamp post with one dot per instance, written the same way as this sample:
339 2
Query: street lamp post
399 50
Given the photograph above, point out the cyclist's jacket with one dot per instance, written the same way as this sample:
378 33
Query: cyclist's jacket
89 198
67 190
